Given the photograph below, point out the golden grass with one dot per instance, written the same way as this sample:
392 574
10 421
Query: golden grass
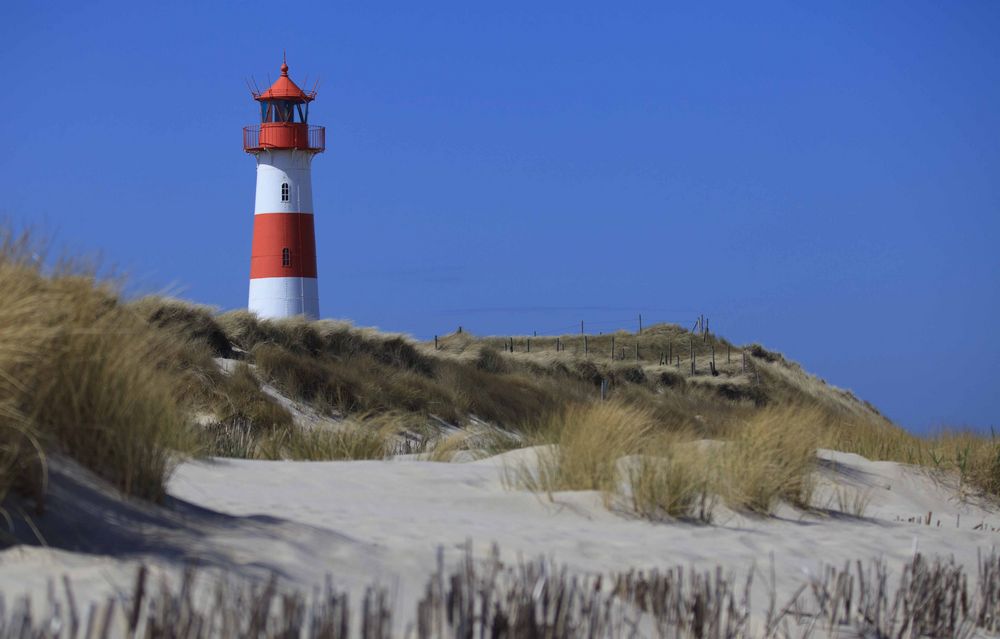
972 457
445 448
975 458
350 443
586 442
478 442
193 322
771 458
673 478
372 436
82 376
767 460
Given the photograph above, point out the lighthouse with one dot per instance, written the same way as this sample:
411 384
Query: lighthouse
283 255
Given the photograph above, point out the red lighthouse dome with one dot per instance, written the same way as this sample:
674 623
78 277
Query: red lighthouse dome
284 117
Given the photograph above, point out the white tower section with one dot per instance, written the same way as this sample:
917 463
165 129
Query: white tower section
284 186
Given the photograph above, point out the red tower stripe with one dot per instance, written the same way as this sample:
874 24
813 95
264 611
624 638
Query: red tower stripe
284 245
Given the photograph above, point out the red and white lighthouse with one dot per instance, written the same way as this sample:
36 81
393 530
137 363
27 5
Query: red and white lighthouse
283 257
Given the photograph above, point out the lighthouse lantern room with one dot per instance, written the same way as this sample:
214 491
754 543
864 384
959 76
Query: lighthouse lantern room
283 255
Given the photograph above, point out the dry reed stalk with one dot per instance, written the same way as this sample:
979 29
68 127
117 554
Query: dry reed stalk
540 599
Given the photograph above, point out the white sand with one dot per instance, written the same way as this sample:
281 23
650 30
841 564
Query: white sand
405 509
382 521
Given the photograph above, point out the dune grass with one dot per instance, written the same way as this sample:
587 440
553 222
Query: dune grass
661 473
366 437
580 448
81 375
239 398
771 425
195 322
343 370
118 385
771 458
972 457
349 443
674 478
478 442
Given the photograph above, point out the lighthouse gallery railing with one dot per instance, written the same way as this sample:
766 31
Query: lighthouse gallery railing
284 135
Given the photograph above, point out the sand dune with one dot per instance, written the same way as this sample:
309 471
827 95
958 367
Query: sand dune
382 522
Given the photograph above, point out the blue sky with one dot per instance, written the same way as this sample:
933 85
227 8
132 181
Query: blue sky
822 179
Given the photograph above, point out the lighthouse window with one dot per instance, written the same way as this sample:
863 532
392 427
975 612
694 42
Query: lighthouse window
286 257
284 192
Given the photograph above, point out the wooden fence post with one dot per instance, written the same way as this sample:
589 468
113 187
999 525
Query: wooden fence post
604 388
435 342
728 359
693 365
529 344
640 323
586 347
557 344
612 348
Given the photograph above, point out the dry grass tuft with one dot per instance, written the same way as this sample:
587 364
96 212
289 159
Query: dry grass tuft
771 458
239 399
355 441
445 448
587 441
674 478
195 323
971 457
374 436
660 471
81 375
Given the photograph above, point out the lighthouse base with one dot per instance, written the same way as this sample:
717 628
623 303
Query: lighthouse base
280 297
